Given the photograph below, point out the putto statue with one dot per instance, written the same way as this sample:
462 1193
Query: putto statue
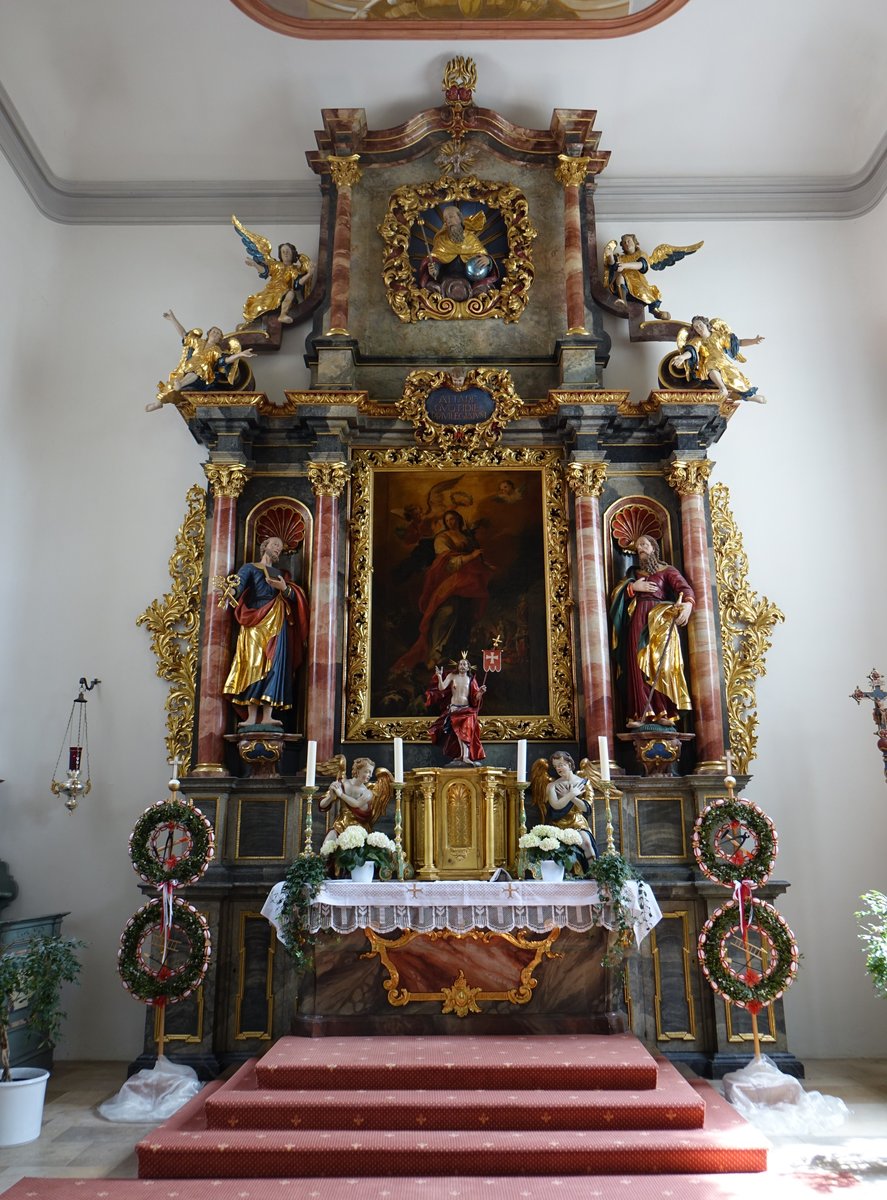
360 802
566 800
288 275
626 267
457 696
646 609
211 360
709 352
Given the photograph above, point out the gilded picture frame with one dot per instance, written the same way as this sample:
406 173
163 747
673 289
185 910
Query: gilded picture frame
447 548
496 227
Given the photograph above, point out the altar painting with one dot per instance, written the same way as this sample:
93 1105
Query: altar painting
454 560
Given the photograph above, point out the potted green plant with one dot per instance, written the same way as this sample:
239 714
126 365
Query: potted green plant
873 926
31 975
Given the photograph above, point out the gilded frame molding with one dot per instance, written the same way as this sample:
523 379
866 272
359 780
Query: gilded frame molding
461 998
406 205
419 385
559 723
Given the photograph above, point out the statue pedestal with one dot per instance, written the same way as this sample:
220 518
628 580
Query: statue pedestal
460 822
261 747
658 748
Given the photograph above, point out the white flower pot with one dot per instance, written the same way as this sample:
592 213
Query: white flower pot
552 872
21 1106
364 873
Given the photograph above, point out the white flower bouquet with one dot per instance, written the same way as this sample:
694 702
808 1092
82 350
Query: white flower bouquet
354 846
552 843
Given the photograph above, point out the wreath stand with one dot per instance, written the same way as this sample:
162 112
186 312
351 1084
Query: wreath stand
165 947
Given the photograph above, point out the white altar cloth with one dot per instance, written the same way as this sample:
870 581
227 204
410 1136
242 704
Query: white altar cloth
460 905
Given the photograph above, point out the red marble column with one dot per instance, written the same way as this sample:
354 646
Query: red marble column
227 481
571 173
327 479
345 173
586 479
689 480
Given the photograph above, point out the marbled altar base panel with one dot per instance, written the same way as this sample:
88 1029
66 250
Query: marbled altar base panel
346 992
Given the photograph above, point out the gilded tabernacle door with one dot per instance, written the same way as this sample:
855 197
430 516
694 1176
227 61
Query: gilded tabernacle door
446 559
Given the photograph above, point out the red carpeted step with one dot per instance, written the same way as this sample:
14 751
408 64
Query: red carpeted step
672 1104
570 1061
811 1186
181 1149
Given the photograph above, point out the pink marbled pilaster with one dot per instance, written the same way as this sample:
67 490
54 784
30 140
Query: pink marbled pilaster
705 671
593 637
575 295
340 275
321 717
215 642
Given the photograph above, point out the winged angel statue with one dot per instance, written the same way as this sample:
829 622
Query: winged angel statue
626 267
288 275
360 802
567 799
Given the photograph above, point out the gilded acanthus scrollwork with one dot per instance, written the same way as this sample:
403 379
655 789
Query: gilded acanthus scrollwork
328 478
226 479
496 386
483 225
586 478
174 624
747 622
689 477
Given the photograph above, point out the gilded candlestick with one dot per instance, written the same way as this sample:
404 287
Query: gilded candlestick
308 796
398 829
611 844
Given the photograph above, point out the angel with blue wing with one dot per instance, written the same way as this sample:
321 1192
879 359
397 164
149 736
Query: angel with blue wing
288 276
626 268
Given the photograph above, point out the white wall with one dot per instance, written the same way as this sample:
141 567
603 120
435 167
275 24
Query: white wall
94 492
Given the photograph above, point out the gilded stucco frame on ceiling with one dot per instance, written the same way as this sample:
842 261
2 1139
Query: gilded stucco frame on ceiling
536 472
429 19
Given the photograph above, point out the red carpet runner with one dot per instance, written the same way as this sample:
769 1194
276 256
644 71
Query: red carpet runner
358 1108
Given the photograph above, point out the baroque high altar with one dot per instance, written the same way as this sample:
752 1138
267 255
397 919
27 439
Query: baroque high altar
458 484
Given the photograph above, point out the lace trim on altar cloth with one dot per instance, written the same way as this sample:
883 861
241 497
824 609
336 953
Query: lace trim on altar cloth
344 906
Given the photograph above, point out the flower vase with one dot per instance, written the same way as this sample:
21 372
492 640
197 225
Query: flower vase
364 873
552 872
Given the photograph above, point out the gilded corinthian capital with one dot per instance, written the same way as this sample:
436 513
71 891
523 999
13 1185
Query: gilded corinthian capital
689 478
345 171
571 172
226 479
586 478
328 478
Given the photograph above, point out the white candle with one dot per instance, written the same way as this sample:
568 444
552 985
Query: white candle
398 760
729 757
604 753
311 764
522 760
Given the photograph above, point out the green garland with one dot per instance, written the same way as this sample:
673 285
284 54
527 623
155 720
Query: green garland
180 871
780 971
758 866
302 883
611 872
152 986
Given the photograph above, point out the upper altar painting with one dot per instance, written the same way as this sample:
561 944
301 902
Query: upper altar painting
467 18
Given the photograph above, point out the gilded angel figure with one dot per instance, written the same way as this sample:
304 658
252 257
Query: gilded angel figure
709 352
566 800
626 267
288 275
360 802
209 360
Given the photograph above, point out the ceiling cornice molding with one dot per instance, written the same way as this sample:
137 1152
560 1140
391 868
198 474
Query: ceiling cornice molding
284 202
